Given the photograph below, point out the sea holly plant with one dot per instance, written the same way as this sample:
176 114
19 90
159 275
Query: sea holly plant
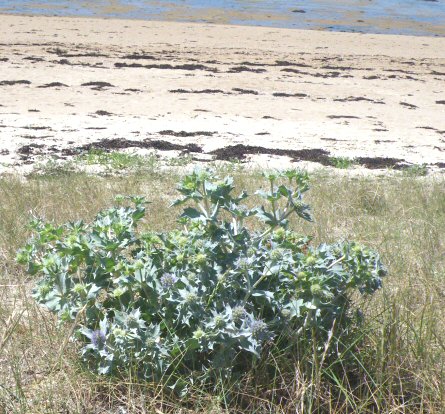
209 300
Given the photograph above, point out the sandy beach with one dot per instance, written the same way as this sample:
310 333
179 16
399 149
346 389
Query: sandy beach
272 96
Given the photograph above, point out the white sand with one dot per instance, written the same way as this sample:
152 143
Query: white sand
357 95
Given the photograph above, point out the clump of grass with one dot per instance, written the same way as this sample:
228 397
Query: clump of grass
342 162
401 351
53 166
180 161
116 160
108 162
416 170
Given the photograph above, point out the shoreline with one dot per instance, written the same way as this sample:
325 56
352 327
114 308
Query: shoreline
416 18
440 38
266 91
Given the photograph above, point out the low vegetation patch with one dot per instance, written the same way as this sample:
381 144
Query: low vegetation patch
361 353
342 162
416 170
116 160
209 302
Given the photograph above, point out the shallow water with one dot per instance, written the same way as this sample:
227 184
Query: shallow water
410 17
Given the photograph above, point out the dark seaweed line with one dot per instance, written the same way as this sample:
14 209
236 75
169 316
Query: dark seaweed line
235 152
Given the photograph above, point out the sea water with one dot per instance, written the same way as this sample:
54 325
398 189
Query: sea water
410 17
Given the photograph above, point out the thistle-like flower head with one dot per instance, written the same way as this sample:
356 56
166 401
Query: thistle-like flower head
258 328
238 313
168 280
98 338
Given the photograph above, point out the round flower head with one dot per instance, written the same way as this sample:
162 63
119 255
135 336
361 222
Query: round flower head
132 321
102 296
238 313
251 252
199 334
98 338
118 292
316 289
243 263
258 329
79 289
119 333
276 254
150 342
280 233
219 322
44 290
191 298
286 313
168 280
201 259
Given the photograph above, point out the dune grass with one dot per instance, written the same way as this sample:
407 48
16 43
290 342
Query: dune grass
400 355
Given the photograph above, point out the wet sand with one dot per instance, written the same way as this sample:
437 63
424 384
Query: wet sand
407 17
271 96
